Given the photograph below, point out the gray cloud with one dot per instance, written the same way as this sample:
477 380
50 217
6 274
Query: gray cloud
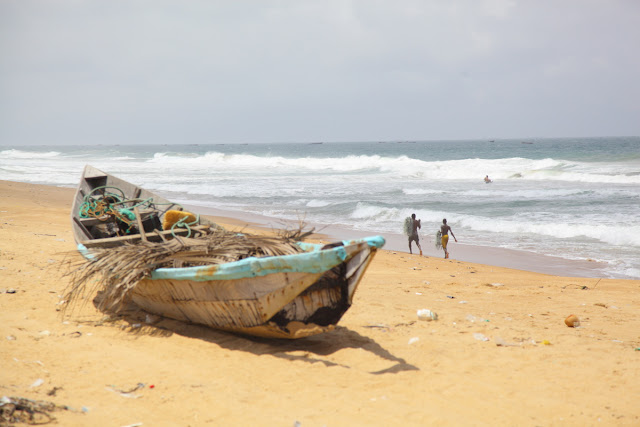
257 71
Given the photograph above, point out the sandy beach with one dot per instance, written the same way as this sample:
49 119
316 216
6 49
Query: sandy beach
498 354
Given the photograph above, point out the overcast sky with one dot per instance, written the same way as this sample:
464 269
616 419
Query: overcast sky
162 71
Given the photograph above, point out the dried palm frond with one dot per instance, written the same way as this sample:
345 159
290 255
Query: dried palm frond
115 271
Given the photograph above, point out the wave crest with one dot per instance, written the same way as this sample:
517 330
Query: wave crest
20 154
404 167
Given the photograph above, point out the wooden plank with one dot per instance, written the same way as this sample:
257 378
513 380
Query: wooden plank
159 233
152 236
90 222
143 234
82 227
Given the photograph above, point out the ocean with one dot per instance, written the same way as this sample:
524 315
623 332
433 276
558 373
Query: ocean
574 199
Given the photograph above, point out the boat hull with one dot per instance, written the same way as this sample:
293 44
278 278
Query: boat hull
289 296
279 305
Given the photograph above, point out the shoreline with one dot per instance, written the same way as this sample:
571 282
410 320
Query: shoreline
491 256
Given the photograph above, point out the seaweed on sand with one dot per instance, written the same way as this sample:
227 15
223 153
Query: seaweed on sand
22 410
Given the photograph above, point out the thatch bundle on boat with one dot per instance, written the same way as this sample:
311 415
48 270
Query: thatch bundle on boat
115 271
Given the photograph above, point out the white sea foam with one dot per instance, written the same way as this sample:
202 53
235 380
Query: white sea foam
534 193
375 213
317 203
421 191
619 234
242 162
551 203
405 167
20 154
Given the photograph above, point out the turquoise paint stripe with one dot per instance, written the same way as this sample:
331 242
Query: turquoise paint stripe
84 251
312 262
375 241
316 261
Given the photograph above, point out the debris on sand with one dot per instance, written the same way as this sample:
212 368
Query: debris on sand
21 410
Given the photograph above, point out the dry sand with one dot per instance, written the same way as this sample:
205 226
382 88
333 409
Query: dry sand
499 354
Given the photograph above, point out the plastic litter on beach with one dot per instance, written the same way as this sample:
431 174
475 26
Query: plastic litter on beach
37 383
480 337
26 361
378 325
502 343
413 340
127 393
428 315
471 318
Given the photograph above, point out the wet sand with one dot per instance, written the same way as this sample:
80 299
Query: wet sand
498 354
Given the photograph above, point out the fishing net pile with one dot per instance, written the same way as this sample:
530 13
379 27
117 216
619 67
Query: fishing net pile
439 240
406 227
15 410
113 272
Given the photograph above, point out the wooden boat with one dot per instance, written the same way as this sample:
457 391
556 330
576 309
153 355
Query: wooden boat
288 296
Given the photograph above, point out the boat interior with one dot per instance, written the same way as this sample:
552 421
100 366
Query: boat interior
108 212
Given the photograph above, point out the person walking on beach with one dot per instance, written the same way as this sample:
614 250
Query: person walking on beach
445 229
415 224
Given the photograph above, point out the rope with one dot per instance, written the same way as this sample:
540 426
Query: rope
104 208
182 222
99 208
